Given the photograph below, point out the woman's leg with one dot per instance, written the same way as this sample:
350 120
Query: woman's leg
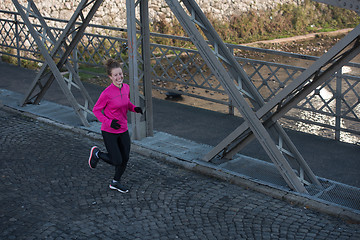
124 146
118 147
114 156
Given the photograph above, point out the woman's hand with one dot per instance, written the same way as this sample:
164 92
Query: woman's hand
114 124
138 110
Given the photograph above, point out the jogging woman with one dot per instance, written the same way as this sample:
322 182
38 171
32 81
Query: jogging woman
111 110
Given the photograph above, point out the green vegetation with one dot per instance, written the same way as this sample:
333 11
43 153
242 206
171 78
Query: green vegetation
89 71
284 21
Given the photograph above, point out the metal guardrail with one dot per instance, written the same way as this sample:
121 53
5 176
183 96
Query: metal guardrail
333 109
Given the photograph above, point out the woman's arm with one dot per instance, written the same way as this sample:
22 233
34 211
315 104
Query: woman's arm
99 107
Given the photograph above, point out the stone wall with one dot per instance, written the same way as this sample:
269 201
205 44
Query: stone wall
113 12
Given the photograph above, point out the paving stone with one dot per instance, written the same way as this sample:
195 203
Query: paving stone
48 191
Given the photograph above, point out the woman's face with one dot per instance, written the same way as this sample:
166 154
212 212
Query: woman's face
117 76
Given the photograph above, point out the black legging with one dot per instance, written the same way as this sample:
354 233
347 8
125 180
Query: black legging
118 147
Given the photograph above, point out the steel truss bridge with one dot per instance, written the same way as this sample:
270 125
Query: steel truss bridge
261 117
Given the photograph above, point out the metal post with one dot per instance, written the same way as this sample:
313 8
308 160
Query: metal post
75 57
231 108
145 30
141 128
17 41
338 105
133 66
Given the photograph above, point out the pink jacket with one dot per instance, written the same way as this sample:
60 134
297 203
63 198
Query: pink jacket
114 103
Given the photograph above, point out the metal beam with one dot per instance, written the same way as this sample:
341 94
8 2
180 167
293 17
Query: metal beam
211 57
242 136
62 49
246 87
146 56
139 67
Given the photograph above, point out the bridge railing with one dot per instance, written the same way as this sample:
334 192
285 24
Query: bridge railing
333 110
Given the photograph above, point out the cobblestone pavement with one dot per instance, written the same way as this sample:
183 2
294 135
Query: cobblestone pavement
49 192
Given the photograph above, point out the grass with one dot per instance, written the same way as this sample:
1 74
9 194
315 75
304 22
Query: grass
89 71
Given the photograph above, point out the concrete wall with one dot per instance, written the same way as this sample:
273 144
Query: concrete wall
113 12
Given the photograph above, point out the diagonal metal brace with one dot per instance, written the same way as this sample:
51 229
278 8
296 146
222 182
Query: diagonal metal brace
226 80
63 49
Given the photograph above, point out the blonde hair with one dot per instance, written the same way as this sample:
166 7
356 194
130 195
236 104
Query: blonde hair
111 64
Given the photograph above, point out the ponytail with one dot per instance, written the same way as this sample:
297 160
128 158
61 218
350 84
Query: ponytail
111 64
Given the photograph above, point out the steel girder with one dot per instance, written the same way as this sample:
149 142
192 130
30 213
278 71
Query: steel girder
139 66
228 71
261 118
61 48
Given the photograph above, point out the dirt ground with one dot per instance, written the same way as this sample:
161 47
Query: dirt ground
314 44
